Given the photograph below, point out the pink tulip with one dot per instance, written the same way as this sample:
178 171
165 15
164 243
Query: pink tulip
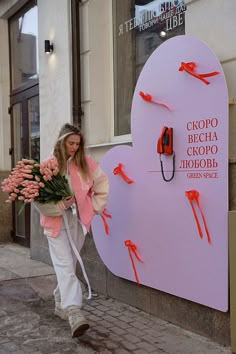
26 170
48 171
55 171
26 175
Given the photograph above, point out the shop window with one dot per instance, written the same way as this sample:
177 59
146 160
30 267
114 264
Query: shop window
140 26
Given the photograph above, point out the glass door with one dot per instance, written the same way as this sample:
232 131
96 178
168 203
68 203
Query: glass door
24 100
25 123
18 217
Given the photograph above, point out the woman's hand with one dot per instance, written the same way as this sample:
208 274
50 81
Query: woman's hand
68 201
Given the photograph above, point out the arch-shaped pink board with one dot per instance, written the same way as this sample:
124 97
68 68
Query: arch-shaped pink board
155 215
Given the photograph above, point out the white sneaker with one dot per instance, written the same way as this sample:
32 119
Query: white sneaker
78 323
60 312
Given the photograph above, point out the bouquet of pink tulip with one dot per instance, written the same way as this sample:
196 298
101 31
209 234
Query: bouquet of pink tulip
31 181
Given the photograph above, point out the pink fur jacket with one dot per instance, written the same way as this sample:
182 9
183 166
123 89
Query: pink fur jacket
91 197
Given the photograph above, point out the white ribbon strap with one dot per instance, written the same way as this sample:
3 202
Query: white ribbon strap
77 253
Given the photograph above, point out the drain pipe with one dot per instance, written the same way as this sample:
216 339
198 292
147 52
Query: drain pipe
77 112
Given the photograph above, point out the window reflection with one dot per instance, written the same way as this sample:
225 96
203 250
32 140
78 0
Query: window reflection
18 149
24 47
140 26
17 131
34 127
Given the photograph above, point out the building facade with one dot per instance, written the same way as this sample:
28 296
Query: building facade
99 49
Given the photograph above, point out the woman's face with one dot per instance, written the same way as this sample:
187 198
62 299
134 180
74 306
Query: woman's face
72 144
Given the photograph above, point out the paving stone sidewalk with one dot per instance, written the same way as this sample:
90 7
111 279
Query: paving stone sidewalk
28 325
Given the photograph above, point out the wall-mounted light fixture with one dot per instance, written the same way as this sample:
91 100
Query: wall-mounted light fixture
48 47
163 34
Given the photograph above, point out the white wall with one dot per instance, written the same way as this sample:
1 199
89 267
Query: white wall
213 21
97 70
55 86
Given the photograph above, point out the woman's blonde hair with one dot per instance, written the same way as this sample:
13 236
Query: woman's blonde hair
59 150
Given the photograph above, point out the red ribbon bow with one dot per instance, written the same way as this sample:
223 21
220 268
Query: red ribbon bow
190 67
194 195
105 215
118 171
132 248
147 97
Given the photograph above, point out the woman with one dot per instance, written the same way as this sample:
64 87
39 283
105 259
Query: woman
67 222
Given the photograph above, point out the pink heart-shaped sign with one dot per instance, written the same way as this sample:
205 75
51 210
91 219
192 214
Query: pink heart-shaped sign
172 236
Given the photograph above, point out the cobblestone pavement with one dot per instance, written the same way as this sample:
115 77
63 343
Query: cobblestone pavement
28 325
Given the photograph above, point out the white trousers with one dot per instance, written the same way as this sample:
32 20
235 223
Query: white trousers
64 262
